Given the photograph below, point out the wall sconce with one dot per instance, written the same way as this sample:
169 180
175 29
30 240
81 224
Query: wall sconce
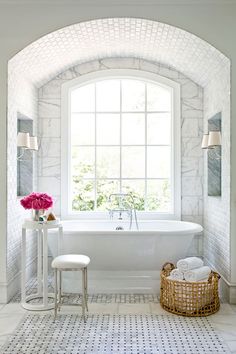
211 141
26 142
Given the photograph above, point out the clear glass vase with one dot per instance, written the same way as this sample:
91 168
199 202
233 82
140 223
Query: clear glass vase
36 213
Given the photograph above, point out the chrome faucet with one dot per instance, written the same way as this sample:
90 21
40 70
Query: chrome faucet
125 205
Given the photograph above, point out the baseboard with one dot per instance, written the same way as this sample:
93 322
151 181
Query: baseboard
9 289
3 293
227 289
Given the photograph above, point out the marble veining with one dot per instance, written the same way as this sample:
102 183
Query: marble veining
49 105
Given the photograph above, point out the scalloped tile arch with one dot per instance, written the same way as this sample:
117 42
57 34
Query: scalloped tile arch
118 37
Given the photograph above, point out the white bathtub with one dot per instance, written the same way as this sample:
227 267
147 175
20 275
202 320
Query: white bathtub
127 261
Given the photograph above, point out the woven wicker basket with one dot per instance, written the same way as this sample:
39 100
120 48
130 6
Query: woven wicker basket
192 299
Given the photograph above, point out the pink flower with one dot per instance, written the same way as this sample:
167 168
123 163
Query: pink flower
37 201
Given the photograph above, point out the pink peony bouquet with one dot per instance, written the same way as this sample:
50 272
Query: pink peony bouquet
37 201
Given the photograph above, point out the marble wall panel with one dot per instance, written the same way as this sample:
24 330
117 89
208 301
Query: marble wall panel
191 128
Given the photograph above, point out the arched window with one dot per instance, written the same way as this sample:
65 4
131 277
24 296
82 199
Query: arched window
120 134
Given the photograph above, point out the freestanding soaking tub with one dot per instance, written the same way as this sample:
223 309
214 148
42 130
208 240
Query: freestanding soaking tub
124 261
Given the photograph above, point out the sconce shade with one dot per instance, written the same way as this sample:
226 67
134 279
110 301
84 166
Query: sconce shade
33 143
205 139
214 139
23 140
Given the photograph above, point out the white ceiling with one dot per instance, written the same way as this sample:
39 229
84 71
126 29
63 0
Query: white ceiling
118 37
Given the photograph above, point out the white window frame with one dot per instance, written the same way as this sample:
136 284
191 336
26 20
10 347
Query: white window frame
66 145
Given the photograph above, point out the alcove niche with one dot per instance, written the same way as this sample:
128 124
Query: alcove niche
168 49
24 158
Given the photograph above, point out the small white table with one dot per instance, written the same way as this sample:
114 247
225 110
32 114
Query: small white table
42 264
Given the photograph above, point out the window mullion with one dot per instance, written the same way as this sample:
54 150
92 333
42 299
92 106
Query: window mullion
149 153
95 149
145 195
120 136
124 112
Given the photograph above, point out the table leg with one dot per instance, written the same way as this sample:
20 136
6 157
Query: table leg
60 241
55 292
60 286
83 294
45 267
39 266
23 266
86 288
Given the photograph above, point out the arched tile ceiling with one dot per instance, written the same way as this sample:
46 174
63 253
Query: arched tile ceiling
118 37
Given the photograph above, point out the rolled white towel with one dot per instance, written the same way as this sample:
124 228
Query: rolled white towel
189 263
169 277
176 274
197 274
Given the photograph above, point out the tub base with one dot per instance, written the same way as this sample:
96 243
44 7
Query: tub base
114 282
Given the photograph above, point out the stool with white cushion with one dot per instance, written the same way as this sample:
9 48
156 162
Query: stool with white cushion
71 262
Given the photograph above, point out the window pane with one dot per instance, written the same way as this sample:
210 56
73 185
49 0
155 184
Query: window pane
108 96
158 195
158 128
133 162
158 98
82 129
108 129
104 189
133 95
83 99
158 161
82 163
83 194
137 189
133 129
108 162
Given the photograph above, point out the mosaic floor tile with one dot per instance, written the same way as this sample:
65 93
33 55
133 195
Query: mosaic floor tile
129 334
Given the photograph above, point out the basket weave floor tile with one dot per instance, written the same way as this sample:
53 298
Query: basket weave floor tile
129 334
